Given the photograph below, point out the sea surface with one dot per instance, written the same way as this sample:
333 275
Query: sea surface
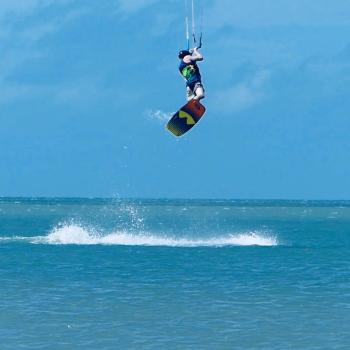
174 274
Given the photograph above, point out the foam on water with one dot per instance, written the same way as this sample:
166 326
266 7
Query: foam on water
75 234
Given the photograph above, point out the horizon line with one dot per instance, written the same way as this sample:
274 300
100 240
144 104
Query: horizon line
168 199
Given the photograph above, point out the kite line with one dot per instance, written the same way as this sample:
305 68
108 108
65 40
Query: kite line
193 24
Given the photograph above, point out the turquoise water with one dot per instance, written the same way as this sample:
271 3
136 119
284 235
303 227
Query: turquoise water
113 274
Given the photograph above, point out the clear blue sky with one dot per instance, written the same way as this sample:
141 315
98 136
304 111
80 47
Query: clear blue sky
85 87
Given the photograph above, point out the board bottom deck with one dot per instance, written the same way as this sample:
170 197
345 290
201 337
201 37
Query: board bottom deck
186 118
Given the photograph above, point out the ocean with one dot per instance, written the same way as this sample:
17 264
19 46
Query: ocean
174 274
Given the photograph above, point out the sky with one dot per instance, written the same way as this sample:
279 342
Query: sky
86 88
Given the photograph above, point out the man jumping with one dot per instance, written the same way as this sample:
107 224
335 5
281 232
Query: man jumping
189 70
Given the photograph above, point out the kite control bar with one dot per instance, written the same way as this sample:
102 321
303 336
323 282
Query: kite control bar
195 41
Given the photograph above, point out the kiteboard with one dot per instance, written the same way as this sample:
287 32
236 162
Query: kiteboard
186 118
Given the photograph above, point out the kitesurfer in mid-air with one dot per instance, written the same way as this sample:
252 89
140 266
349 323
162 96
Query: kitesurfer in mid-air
189 70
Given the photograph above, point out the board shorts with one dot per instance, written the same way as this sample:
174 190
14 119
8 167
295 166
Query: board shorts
194 86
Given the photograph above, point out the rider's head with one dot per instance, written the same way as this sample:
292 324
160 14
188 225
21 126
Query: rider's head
183 53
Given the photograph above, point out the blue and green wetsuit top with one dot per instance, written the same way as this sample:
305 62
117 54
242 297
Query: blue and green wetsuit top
190 72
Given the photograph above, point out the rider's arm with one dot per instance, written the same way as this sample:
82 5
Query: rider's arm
196 55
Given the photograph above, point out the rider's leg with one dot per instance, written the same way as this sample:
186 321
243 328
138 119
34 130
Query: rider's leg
199 92
189 94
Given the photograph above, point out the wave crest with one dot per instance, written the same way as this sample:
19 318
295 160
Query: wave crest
74 234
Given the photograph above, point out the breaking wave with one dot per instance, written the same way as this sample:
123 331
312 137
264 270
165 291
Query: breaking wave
77 235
